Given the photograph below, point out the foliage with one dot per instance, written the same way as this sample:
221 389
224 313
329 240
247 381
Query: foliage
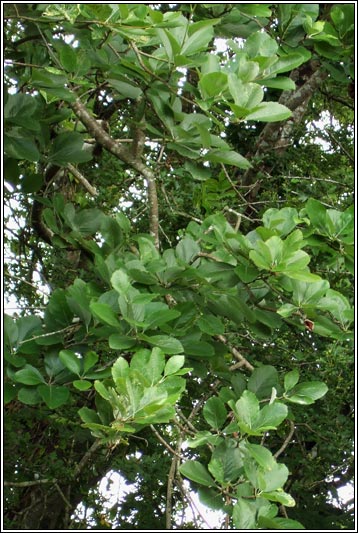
197 320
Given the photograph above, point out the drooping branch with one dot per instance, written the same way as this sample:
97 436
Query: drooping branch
126 155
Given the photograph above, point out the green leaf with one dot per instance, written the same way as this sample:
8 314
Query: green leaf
290 61
153 368
282 220
10 392
286 310
281 82
262 455
89 416
54 396
20 109
279 523
78 300
29 396
203 438
273 479
169 345
244 515
20 147
120 369
291 379
120 282
269 112
262 380
260 44
90 359
82 384
227 157
196 472
211 325
29 375
226 463
308 294
337 305
307 393
197 348
68 57
279 496
246 410
213 84
211 498
87 222
187 249
68 148
317 214
121 342
70 361
174 364
270 417
198 40
125 90
215 413
302 275
105 314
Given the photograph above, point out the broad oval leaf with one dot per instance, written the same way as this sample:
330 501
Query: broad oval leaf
307 393
104 313
262 380
70 361
269 112
54 396
174 364
270 417
29 375
196 472
215 413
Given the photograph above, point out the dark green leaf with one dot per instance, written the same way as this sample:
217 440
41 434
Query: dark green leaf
215 413
196 472
54 396
29 375
70 361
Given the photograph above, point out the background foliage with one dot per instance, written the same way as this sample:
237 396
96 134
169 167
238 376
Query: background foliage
179 242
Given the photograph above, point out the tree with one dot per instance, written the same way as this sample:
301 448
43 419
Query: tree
180 241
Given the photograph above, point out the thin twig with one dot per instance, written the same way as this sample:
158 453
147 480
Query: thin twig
68 504
163 441
87 456
28 483
171 477
287 439
191 502
242 360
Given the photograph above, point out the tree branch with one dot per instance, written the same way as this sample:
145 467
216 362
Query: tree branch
287 439
125 155
28 483
242 360
77 174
